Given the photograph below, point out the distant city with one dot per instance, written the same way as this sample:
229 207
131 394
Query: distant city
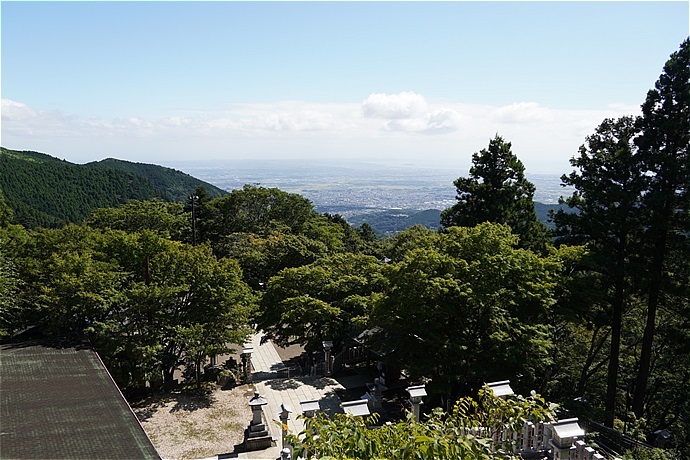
351 189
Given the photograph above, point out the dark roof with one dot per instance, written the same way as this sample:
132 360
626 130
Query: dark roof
60 402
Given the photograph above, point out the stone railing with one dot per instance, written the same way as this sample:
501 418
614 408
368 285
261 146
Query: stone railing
558 440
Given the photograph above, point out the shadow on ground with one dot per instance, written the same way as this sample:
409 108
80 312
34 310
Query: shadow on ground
192 401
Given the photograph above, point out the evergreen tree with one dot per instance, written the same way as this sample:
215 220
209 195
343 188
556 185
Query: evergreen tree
497 192
608 185
665 148
196 206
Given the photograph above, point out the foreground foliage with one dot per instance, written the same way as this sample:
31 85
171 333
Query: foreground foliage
441 436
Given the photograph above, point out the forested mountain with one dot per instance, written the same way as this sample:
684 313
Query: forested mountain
46 191
176 184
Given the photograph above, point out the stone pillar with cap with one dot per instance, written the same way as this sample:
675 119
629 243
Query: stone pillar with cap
564 433
501 389
416 392
284 412
327 346
357 408
309 408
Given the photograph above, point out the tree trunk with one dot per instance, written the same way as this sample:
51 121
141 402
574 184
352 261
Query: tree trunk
649 330
660 231
168 382
197 368
616 326
590 368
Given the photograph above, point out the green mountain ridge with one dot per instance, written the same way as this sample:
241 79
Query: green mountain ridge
45 191
176 183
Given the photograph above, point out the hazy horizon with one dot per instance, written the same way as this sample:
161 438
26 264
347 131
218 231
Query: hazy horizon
337 182
394 83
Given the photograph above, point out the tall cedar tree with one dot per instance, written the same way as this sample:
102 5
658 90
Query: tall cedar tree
497 192
196 206
608 184
665 149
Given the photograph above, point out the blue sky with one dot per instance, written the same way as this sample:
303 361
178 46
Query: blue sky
425 83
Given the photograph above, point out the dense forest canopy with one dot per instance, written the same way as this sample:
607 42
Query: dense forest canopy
597 311
44 191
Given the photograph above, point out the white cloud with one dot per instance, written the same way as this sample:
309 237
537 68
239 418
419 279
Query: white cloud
417 132
307 120
522 112
283 117
394 106
438 122
12 110
444 120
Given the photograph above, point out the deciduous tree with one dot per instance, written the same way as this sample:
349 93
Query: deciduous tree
166 219
320 301
258 210
468 309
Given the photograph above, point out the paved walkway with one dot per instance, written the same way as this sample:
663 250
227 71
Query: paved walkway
266 366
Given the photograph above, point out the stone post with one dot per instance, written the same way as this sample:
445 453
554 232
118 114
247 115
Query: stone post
309 408
416 394
284 414
327 346
247 363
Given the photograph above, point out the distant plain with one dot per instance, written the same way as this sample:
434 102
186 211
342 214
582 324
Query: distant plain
353 188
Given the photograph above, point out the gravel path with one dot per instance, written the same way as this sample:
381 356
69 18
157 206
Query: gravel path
192 426
187 425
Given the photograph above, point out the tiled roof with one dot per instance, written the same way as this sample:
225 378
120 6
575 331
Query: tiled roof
59 402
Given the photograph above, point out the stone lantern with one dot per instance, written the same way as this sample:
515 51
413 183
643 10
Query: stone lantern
256 436
662 438
327 346
416 392
375 394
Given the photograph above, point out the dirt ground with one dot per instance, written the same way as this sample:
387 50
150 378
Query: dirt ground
191 425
